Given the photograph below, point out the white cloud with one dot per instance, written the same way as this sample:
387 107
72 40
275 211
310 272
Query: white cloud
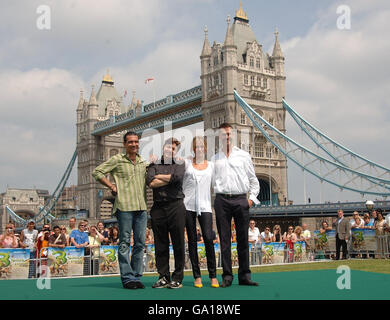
338 80
38 125
175 66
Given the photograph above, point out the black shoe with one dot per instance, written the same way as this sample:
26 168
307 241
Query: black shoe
161 283
140 285
130 285
247 283
225 283
174 285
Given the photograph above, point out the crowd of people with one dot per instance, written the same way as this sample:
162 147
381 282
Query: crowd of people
82 234
60 236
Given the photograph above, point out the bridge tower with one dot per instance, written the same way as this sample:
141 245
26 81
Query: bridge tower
93 150
240 63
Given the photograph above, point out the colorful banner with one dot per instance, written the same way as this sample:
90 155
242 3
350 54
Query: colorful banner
363 240
300 254
272 252
14 263
171 258
66 262
150 258
325 241
234 254
108 260
202 256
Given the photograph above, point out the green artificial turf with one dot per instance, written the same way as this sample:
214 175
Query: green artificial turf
316 282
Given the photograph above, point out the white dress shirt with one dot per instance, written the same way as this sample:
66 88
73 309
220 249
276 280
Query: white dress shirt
263 236
236 174
197 187
253 235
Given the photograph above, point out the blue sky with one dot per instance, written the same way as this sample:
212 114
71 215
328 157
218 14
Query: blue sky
338 79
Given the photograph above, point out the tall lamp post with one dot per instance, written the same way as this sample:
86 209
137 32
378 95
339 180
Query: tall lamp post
269 153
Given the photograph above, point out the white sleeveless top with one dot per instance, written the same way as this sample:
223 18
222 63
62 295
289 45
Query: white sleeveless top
29 238
196 187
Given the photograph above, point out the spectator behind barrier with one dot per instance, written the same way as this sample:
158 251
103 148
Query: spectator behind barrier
64 231
368 223
289 238
306 233
148 236
215 237
253 233
9 239
79 238
234 235
387 223
373 217
266 235
86 226
27 240
57 239
104 233
356 221
299 233
380 223
71 226
95 239
199 238
114 236
277 234
43 240
325 227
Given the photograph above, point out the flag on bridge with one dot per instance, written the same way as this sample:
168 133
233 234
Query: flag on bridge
149 80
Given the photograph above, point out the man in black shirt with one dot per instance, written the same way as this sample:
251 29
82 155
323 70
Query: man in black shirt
168 214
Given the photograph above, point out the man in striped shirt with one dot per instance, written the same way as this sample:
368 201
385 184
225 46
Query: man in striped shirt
129 172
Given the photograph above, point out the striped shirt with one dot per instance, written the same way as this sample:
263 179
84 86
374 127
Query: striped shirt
129 179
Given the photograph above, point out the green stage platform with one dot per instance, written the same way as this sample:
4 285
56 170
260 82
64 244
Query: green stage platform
296 285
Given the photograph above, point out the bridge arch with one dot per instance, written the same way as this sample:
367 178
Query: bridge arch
264 194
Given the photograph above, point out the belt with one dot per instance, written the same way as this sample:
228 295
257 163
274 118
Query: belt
231 196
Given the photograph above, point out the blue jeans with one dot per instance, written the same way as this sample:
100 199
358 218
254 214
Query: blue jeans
128 221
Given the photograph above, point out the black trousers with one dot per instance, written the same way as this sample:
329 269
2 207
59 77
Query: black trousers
168 219
225 210
206 225
341 244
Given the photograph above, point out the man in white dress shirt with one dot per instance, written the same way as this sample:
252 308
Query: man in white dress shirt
234 179
253 233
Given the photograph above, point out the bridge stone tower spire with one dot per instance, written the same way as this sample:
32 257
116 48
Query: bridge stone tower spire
240 63
93 150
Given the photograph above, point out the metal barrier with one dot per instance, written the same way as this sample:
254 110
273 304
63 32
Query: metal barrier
97 262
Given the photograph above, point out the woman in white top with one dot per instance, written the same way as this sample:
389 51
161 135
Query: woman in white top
197 190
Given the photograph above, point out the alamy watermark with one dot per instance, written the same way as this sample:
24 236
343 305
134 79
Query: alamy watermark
44 18
344 280
44 281
344 19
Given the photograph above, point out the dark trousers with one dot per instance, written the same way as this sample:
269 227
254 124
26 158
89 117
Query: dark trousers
225 210
341 244
168 218
206 224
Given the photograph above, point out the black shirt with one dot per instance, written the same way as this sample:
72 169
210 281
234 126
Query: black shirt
174 189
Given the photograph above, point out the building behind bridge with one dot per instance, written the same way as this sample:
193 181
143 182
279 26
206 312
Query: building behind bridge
24 202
